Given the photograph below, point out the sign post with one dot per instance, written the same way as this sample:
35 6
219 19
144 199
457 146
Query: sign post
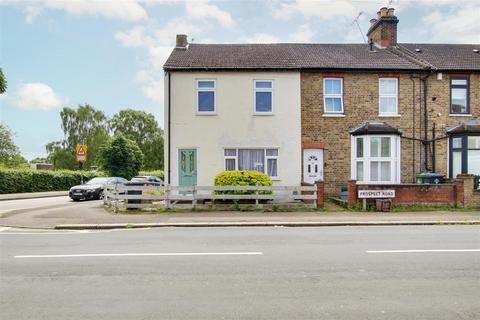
81 153
374 194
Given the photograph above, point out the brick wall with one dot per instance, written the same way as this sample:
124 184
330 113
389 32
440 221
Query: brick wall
361 104
410 194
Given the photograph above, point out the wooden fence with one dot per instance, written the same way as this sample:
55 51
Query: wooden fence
136 197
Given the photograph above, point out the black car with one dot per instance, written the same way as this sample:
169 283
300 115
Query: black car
93 189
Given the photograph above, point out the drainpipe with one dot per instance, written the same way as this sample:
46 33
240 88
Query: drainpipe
168 128
413 127
433 148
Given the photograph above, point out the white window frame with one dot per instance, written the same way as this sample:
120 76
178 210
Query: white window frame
380 95
394 159
214 89
265 159
333 95
255 90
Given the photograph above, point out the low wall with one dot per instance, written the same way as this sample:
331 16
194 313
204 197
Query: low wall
410 194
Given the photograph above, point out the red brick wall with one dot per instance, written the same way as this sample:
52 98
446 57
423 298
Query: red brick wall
448 194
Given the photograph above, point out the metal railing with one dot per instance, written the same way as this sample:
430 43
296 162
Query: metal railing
119 196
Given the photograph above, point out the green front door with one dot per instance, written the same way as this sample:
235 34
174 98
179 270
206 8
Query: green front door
187 167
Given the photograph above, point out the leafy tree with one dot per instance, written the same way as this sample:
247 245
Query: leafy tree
9 154
3 82
39 160
85 125
142 128
121 157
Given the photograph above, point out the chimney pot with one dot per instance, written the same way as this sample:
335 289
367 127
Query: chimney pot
391 12
372 21
182 41
383 11
378 15
383 30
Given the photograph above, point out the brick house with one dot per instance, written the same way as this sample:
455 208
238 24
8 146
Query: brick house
378 113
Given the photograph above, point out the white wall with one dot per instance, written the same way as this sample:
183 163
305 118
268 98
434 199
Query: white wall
234 124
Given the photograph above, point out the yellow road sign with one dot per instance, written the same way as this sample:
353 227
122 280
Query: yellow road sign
81 153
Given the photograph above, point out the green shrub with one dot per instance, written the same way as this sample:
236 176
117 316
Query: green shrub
27 180
242 178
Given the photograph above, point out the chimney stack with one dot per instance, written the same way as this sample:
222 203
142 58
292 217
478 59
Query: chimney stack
182 42
383 29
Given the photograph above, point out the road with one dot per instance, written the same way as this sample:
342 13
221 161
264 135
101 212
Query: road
242 273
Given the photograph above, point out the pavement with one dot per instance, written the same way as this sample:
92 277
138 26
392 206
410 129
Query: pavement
61 212
341 273
32 195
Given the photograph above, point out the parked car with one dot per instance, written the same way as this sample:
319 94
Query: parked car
147 180
94 188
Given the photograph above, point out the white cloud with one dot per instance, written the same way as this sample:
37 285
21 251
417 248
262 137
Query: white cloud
135 37
320 9
179 25
128 10
460 26
37 96
303 34
261 38
154 90
202 10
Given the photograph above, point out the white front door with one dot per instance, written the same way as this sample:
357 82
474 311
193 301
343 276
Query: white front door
312 165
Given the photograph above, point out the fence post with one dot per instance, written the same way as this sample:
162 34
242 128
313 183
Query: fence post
194 195
115 207
167 196
257 204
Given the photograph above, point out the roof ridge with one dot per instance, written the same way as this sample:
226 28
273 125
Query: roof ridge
409 55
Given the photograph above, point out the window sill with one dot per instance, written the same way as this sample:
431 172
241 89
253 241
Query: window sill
333 115
263 113
460 115
393 115
206 113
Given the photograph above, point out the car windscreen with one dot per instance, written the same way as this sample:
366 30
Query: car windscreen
98 181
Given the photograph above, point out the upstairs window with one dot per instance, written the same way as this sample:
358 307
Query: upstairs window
388 96
206 96
333 95
459 99
263 96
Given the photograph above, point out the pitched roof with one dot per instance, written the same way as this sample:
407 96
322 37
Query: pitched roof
296 56
446 56
466 126
374 127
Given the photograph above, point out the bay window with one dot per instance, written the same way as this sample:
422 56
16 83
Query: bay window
263 160
375 158
464 155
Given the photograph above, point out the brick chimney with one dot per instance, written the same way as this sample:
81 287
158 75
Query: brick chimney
182 42
383 29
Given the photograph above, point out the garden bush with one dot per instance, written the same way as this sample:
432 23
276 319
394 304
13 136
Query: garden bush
156 173
242 178
27 180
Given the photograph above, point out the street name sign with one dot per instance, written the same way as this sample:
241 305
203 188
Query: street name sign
364 194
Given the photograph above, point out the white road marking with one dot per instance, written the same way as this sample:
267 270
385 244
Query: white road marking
422 251
148 254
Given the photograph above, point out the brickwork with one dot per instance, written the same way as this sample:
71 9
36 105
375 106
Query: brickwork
471 196
361 103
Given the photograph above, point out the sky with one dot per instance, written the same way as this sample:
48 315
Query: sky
110 53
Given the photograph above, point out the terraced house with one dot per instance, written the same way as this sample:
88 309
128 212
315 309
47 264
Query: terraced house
378 113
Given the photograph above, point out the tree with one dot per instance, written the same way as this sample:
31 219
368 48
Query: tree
3 82
39 160
9 154
85 125
142 128
121 157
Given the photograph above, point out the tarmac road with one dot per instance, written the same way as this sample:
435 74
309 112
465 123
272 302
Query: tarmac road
406 272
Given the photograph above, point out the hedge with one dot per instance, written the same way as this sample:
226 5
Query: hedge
242 178
156 173
26 180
